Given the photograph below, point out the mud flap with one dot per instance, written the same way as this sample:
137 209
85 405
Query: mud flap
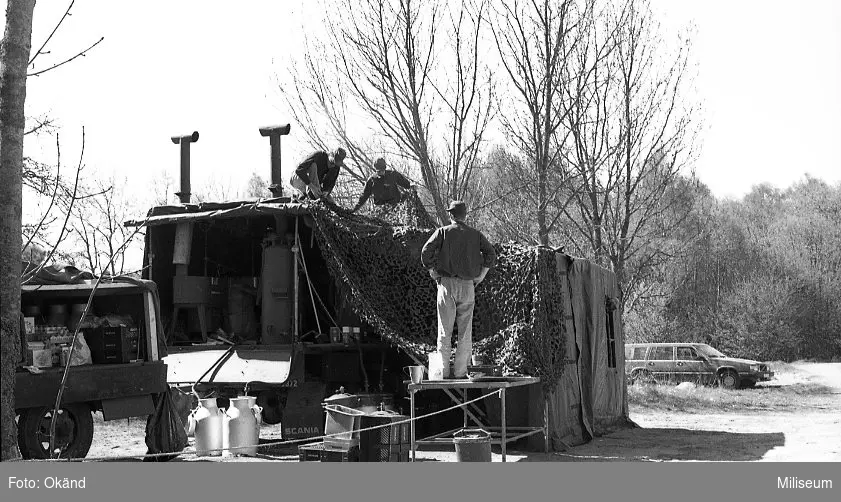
303 416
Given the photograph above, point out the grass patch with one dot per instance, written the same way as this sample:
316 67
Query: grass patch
791 389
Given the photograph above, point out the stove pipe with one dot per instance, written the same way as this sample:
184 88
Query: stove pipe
274 133
185 141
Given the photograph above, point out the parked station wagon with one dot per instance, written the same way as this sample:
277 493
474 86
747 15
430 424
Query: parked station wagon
691 362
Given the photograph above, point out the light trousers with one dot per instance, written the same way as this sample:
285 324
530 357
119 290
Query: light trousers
298 184
455 305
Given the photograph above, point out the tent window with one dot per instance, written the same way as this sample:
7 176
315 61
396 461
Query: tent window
611 338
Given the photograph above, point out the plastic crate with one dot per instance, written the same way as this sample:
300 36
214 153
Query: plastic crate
310 452
387 444
318 452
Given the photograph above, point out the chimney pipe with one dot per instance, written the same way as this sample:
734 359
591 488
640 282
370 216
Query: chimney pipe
185 141
274 133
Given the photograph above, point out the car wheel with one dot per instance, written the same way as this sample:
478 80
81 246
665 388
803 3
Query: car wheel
642 376
73 430
728 379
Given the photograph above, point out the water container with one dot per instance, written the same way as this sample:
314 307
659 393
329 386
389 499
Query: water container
277 293
472 445
436 366
209 421
57 315
244 425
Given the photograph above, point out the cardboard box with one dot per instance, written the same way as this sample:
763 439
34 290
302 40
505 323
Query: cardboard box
42 358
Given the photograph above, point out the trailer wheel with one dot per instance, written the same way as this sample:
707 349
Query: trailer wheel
74 431
272 403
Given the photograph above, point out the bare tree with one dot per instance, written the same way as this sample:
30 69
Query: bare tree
257 187
423 87
535 39
42 49
163 188
631 133
216 189
98 229
14 57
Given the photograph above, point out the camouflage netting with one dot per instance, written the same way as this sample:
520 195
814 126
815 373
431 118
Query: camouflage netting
518 319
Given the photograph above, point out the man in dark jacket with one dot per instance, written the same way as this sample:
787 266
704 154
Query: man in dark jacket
385 185
458 257
316 176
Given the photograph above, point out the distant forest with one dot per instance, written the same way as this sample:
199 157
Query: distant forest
758 277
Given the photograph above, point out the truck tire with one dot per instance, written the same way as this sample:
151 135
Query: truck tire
74 431
272 403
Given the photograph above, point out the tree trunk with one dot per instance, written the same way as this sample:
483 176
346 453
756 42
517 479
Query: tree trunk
14 59
542 230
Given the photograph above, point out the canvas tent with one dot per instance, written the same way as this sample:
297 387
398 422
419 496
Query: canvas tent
592 394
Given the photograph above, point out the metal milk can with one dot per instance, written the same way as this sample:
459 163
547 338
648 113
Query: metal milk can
209 421
244 417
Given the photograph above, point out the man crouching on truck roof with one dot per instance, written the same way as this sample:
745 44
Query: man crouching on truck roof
316 176
458 257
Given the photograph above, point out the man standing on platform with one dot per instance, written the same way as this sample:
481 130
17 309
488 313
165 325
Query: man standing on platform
458 257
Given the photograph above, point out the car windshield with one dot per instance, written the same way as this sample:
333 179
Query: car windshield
708 351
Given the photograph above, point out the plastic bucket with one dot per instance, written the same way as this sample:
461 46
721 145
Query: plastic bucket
472 445
342 426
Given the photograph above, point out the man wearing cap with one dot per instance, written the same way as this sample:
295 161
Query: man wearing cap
458 257
316 176
386 185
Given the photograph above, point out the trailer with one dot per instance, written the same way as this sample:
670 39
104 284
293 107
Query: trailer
120 383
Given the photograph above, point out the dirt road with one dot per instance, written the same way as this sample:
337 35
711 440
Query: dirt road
810 431
809 434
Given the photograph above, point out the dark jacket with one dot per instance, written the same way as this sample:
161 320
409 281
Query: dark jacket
384 188
458 250
328 172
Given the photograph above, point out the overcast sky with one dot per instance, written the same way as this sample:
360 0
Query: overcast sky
769 73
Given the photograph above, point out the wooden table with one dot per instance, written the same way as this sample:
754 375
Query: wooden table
499 435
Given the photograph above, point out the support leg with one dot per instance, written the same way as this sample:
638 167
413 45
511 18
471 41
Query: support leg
504 435
546 425
464 408
412 423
